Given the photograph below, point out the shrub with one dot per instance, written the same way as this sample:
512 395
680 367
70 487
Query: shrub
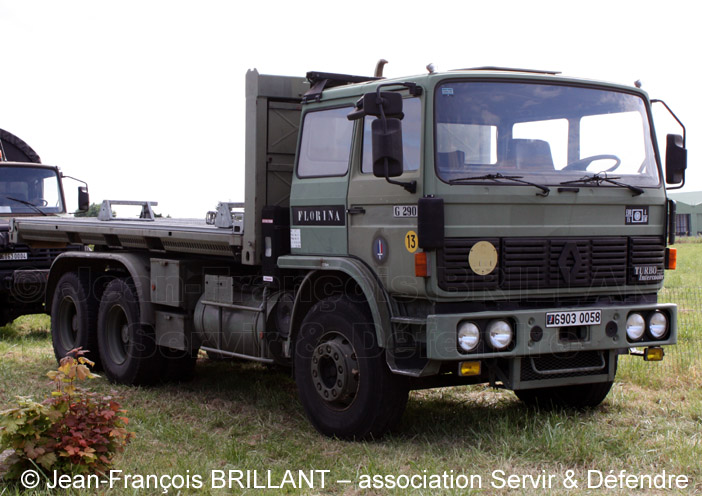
73 431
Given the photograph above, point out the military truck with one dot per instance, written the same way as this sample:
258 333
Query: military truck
27 188
488 225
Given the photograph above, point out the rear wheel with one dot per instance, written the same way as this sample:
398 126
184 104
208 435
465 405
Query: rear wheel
127 348
343 381
73 317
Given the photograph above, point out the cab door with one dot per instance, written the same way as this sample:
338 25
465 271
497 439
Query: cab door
318 193
382 217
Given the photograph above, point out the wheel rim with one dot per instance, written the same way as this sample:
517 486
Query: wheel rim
66 325
335 372
117 334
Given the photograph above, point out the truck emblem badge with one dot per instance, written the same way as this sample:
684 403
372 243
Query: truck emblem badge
482 258
380 250
635 215
570 262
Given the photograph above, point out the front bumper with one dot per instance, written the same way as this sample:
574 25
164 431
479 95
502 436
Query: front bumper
542 356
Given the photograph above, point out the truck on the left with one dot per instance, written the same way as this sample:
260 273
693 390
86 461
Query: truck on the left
27 188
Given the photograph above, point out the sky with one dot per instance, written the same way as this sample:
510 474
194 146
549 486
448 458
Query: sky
144 99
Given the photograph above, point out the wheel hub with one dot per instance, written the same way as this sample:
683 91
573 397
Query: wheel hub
334 370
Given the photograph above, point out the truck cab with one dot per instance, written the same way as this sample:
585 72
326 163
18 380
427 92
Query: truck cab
523 236
27 188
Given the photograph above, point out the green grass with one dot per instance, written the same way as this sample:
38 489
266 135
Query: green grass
242 416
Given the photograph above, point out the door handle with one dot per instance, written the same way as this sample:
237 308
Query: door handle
355 210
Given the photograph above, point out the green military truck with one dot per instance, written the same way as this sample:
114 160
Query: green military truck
27 188
488 225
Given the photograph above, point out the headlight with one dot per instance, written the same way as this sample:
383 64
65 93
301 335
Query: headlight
658 325
468 336
635 326
500 334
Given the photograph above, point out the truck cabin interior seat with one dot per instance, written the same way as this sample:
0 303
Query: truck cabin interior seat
530 155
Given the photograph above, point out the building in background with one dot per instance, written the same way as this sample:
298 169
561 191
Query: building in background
688 218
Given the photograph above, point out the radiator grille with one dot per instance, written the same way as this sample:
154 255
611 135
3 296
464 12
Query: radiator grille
544 263
38 258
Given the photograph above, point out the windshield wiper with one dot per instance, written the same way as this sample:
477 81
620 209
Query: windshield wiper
601 177
29 204
497 177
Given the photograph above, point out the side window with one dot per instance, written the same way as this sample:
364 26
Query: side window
411 137
326 143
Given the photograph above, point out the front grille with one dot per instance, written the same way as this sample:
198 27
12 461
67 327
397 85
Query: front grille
646 252
37 258
576 364
545 263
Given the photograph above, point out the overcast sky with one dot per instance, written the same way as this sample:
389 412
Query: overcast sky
144 99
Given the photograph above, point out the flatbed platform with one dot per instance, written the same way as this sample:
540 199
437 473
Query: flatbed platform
192 236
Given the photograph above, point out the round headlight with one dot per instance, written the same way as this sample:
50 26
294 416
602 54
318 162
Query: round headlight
500 334
635 326
658 325
468 336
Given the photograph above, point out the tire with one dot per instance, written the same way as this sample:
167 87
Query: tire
16 149
128 349
73 318
343 382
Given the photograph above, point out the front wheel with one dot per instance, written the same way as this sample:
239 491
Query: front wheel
343 382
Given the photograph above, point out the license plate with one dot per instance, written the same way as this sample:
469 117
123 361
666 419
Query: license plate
13 256
576 318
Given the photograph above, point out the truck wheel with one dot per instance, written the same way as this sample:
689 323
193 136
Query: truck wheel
579 396
74 317
343 381
127 348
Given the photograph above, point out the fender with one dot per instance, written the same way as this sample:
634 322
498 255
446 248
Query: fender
376 297
96 263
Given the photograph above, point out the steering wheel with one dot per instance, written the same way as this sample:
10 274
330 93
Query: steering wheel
583 163
40 202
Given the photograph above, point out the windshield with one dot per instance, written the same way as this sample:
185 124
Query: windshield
29 190
548 134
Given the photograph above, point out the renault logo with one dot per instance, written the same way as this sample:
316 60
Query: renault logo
570 262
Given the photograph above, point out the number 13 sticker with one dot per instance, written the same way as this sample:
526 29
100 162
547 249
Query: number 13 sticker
411 241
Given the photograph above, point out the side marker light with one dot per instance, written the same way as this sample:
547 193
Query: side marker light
421 264
671 258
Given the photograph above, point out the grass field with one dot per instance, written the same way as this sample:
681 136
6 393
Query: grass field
241 416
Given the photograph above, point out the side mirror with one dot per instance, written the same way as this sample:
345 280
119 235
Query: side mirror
378 104
675 159
387 147
386 132
83 199
385 102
